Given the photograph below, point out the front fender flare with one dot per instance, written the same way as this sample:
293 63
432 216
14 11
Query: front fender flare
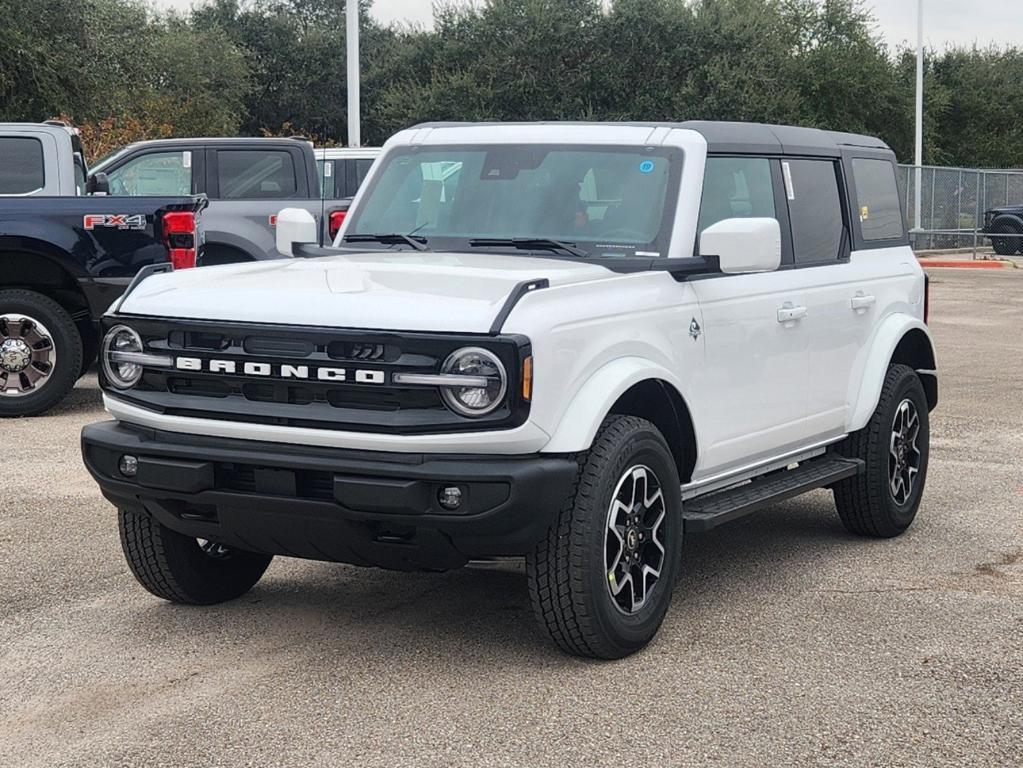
581 420
865 391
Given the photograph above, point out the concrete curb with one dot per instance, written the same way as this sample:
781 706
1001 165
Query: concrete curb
967 263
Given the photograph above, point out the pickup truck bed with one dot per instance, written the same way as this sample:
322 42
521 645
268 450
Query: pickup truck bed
63 262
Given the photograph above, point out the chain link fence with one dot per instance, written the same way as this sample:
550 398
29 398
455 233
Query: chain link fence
953 202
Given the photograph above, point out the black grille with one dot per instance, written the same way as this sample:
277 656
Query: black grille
264 394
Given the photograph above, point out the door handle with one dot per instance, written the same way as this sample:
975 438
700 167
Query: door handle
788 314
860 302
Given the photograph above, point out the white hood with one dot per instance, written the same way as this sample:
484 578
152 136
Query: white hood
442 292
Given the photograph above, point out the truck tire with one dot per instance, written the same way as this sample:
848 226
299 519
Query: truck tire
883 499
1006 225
182 569
40 353
601 580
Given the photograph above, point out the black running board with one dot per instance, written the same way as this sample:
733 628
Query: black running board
706 512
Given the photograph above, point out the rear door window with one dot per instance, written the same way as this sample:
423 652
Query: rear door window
815 210
256 174
877 194
21 165
154 174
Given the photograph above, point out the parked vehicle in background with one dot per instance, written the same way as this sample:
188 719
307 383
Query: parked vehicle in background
342 171
65 257
1006 221
570 342
41 159
247 181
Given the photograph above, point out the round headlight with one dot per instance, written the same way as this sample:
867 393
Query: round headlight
475 401
121 373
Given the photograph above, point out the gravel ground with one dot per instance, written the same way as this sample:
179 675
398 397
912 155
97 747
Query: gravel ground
789 642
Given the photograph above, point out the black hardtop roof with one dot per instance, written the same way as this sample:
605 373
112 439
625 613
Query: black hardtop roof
738 137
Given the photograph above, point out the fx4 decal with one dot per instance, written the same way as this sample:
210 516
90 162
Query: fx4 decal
116 220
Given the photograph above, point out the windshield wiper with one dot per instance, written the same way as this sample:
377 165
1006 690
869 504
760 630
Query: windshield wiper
529 243
419 243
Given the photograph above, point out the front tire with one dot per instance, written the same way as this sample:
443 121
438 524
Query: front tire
601 581
182 569
882 501
40 353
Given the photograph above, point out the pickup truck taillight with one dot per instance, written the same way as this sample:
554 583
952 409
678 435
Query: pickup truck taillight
179 235
337 218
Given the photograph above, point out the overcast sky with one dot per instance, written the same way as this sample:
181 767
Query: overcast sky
945 21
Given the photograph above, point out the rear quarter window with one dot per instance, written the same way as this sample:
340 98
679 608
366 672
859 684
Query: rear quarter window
21 165
877 194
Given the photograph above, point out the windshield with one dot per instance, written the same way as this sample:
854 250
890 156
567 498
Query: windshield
607 201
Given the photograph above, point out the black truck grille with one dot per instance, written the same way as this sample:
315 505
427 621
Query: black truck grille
279 375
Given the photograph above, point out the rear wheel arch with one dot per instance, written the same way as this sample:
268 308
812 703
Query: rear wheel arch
901 340
916 351
41 273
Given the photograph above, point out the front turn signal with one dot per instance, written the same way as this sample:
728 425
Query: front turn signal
527 378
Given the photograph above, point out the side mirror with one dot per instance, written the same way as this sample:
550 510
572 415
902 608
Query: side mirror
98 184
295 225
743 245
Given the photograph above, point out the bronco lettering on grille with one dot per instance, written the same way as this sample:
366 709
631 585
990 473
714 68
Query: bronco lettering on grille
281 370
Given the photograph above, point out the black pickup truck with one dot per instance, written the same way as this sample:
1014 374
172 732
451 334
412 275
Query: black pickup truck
66 256
1004 226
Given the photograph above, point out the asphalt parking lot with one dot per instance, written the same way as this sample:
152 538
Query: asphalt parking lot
789 642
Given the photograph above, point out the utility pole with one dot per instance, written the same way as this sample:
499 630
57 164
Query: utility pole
352 48
918 157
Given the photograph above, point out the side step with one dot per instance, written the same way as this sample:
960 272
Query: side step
705 512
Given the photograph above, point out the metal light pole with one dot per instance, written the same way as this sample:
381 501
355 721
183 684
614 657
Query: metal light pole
352 46
918 156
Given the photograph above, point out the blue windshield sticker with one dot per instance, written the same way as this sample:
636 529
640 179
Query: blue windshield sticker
646 166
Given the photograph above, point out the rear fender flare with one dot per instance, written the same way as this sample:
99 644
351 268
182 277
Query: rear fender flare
1014 218
865 390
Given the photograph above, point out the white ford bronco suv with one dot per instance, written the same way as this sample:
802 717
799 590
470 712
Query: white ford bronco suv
574 343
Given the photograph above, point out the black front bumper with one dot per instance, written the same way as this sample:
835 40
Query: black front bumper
359 507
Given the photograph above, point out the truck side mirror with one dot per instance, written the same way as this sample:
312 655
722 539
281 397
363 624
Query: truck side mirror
98 184
295 226
743 245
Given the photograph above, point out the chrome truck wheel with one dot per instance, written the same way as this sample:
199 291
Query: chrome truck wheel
28 355
40 353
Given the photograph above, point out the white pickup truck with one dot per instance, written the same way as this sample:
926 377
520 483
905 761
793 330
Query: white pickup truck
573 343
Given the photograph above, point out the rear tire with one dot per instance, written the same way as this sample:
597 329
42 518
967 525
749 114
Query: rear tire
181 569
40 353
589 582
882 501
1006 246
